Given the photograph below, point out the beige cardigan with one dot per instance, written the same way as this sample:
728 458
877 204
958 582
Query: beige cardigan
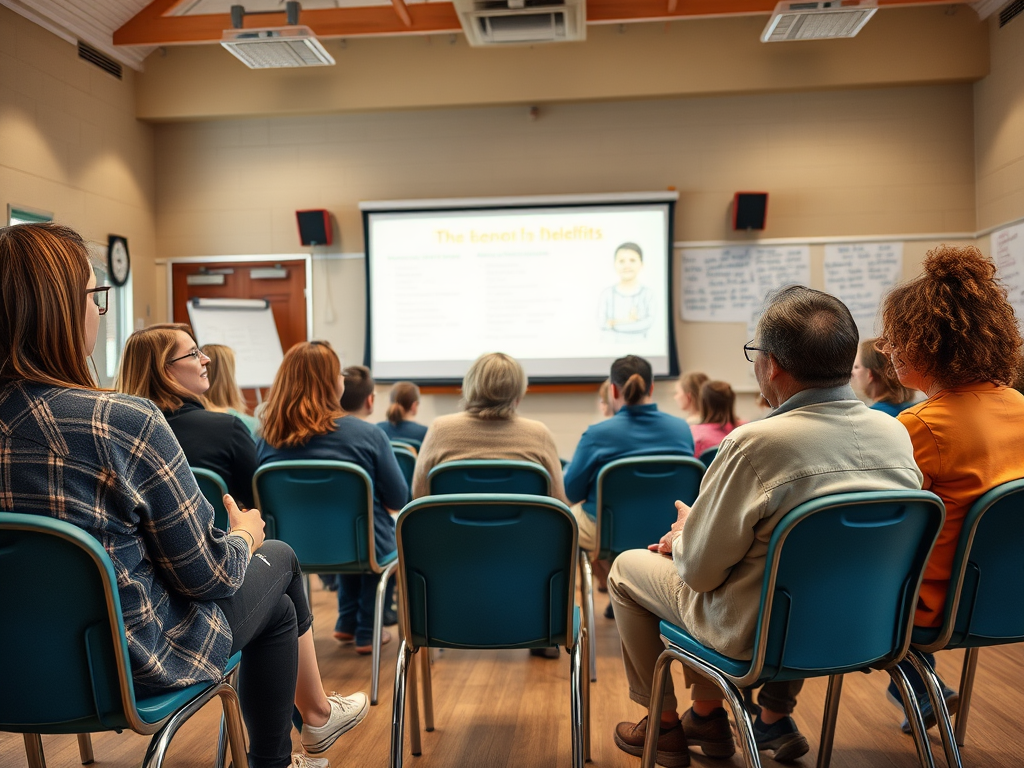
762 471
465 436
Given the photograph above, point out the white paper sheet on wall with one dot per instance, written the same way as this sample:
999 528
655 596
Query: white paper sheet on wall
728 285
1008 255
860 274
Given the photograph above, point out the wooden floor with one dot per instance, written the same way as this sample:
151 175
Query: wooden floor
497 709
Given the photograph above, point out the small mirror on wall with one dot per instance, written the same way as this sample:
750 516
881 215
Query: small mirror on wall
23 214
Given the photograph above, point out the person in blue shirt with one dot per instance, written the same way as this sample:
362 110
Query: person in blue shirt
638 428
874 378
306 418
405 404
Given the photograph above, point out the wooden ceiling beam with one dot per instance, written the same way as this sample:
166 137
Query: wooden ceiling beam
152 25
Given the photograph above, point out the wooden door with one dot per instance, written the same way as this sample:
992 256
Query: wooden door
282 283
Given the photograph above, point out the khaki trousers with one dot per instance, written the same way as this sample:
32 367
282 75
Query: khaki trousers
587 528
646 589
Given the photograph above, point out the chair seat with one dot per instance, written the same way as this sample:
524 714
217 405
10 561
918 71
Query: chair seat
925 635
682 639
153 709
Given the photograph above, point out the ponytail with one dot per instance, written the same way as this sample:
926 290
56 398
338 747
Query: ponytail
634 390
404 395
632 375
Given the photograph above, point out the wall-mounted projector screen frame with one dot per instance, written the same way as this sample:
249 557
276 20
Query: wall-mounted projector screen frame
544 279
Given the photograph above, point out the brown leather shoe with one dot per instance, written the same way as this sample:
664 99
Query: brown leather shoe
712 733
366 650
672 752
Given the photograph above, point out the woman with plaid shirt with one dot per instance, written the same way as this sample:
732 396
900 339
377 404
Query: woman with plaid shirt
192 595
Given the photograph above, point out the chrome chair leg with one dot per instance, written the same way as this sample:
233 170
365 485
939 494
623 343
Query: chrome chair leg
85 748
222 735
966 688
576 703
428 690
34 750
913 712
828 720
232 722
378 629
162 739
587 586
661 673
934 687
398 705
587 652
414 709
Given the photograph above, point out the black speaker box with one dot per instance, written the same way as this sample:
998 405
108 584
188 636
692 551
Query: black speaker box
314 227
749 210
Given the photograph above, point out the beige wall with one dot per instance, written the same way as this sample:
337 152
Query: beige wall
999 128
70 143
883 161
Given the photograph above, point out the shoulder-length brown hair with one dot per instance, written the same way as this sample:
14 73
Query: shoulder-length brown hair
304 399
884 386
717 404
144 365
223 391
953 323
44 271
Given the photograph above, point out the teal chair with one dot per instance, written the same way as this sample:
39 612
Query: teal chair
488 476
509 556
839 592
408 441
324 511
984 602
406 457
636 499
64 653
214 489
706 457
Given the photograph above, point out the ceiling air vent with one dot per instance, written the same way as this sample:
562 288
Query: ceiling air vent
823 20
101 60
1011 11
522 22
276 47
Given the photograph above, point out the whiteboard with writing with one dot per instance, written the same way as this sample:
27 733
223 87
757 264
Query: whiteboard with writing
245 325
860 274
727 285
1008 255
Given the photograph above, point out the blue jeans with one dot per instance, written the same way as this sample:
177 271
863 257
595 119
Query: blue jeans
357 594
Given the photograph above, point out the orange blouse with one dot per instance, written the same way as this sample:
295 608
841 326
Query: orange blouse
967 440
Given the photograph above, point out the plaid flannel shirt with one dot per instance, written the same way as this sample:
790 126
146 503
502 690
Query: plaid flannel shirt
109 464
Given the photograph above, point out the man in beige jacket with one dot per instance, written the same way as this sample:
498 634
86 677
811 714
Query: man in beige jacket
705 574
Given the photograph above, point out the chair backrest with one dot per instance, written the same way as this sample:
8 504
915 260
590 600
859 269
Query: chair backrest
213 488
636 499
841 582
408 441
63 650
406 459
323 510
706 457
487 571
987 584
489 476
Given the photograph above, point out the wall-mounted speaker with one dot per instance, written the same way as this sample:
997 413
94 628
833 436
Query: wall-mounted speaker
749 210
314 227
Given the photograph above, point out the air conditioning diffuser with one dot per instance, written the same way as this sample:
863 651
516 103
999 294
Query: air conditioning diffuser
276 47
522 22
822 20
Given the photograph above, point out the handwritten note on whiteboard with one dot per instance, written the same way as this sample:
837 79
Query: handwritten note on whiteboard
728 285
1008 255
860 274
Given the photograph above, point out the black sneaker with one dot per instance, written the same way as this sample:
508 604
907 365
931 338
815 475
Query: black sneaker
609 612
781 738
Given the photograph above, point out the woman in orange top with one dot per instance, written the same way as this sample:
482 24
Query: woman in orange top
952 334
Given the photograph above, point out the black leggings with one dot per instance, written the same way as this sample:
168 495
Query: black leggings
267 615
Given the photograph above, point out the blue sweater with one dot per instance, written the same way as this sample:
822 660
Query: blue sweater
889 408
636 430
358 442
406 430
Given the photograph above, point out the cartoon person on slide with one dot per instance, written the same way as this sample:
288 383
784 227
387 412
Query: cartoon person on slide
627 307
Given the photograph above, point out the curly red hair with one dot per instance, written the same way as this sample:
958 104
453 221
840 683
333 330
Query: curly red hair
954 323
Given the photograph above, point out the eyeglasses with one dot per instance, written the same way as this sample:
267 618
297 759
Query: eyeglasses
99 297
748 348
196 353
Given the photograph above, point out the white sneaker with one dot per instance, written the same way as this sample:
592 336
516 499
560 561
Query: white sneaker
300 760
346 713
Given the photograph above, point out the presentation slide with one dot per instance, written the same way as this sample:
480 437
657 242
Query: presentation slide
564 289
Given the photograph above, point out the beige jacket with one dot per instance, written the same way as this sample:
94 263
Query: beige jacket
464 436
820 441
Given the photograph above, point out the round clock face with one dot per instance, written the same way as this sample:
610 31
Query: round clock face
118 261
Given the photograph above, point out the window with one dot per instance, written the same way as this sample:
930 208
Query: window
21 214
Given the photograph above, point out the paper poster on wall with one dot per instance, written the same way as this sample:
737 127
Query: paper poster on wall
860 274
1008 255
728 285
